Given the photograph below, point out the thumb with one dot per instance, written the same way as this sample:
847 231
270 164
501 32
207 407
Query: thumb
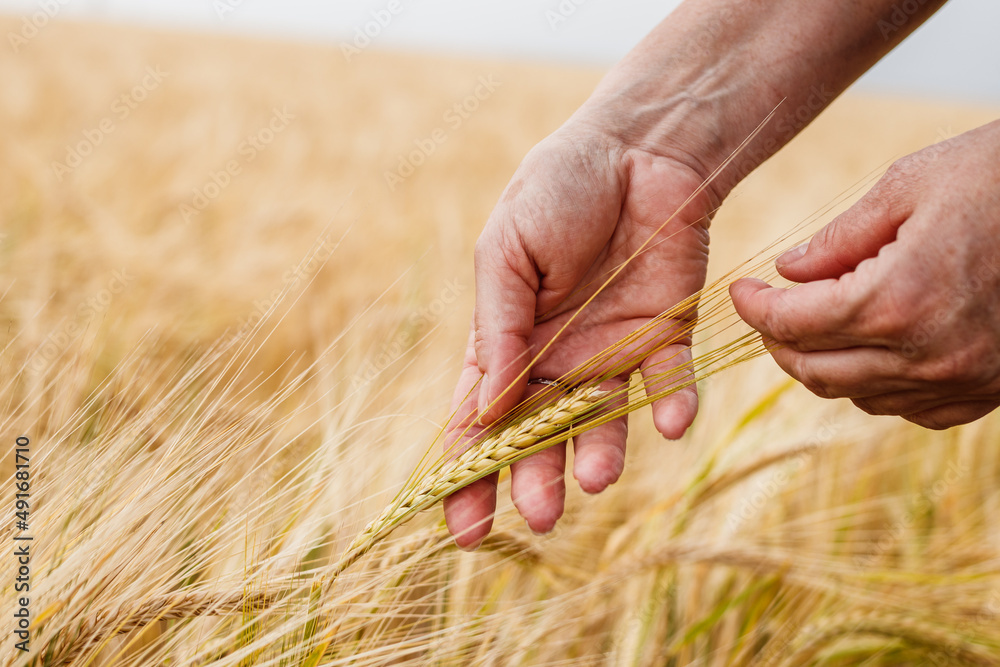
852 237
506 287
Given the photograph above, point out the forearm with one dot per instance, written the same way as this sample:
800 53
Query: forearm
701 81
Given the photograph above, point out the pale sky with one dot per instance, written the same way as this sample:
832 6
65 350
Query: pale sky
956 55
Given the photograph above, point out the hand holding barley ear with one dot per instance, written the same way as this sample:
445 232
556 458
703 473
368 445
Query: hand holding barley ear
586 199
579 207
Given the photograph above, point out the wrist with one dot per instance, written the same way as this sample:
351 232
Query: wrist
690 91
701 82
686 119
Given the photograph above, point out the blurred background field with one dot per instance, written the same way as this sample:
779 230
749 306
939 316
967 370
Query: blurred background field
782 528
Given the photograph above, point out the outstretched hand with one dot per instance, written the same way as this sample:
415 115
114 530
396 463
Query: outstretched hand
899 306
579 206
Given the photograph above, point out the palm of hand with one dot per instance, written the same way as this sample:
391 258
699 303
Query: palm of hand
572 215
670 264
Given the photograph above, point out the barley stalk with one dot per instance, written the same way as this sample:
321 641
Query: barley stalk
96 628
929 636
432 542
486 457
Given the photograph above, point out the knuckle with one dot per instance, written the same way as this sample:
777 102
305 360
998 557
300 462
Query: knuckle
929 420
850 304
818 389
827 237
901 169
979 361
886 314
479 338
967 367
932 371
776 322
890 321
810 380
866 405
962 366
479 347
483 248
885 405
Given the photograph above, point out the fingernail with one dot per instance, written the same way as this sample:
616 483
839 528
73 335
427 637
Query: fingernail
538 533
792 255
469 548
484 396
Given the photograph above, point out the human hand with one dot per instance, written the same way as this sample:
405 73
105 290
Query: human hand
579 205
686 97
899 309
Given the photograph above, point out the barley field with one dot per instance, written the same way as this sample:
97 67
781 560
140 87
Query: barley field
236 284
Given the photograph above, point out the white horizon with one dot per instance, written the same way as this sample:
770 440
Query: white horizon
954 56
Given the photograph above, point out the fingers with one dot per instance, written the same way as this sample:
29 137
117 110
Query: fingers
600 452
854 236
903 403
537 483
929 408
469 512
857 372
506 287
954 414
538 487
662 370
821 315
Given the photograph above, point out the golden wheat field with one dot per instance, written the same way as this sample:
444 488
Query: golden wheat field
229 338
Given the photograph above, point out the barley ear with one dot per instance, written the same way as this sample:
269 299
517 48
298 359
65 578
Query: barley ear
484 458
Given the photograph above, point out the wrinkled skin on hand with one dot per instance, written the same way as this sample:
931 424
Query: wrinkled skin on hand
899 306
580 204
